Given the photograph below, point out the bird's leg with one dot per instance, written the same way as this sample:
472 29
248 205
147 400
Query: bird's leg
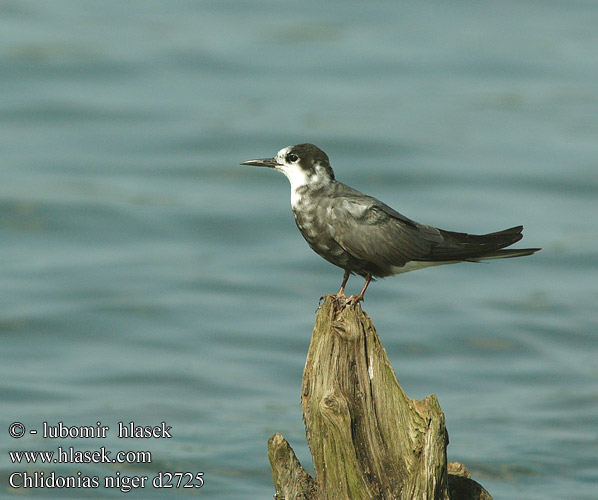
354 299
341 292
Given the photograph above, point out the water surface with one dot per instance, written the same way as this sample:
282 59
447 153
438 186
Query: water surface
147 277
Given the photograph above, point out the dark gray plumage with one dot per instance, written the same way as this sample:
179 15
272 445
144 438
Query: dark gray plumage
364 236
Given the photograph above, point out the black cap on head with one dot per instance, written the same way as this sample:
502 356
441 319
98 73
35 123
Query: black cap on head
311 155
310 150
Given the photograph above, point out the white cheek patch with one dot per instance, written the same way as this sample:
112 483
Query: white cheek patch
297 177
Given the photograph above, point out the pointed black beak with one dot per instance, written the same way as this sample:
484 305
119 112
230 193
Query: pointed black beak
265 162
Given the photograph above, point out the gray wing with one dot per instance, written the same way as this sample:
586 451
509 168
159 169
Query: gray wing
372 231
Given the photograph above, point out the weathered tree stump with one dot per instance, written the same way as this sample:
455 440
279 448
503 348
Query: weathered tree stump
368 440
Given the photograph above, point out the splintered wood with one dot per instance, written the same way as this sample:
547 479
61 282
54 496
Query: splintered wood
368 440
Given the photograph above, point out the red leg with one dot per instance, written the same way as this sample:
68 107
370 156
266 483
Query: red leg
355 299
341 292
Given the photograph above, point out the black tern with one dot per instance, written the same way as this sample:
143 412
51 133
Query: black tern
364 236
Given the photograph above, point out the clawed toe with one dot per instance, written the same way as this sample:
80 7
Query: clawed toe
337 297
353 300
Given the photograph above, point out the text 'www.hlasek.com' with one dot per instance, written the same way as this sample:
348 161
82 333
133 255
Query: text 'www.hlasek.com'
29 460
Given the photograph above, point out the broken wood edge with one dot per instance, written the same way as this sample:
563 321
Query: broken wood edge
291 480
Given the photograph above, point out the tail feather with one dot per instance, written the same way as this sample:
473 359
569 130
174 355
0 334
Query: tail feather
474 247
505 254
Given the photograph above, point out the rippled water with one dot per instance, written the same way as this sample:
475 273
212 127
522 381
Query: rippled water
147 277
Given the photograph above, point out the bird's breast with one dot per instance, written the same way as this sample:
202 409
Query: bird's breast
307 221
315 222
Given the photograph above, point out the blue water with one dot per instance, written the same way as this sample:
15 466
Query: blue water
147 277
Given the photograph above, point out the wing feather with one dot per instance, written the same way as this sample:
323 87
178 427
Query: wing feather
382 240
372 231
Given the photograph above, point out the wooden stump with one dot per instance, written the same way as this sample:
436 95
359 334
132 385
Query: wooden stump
368 440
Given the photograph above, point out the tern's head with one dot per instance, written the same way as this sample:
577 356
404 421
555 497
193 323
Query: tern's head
303 164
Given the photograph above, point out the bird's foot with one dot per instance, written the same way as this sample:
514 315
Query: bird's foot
354 300
340 298
337 296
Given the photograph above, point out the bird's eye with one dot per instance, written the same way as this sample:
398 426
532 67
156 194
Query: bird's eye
292 158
